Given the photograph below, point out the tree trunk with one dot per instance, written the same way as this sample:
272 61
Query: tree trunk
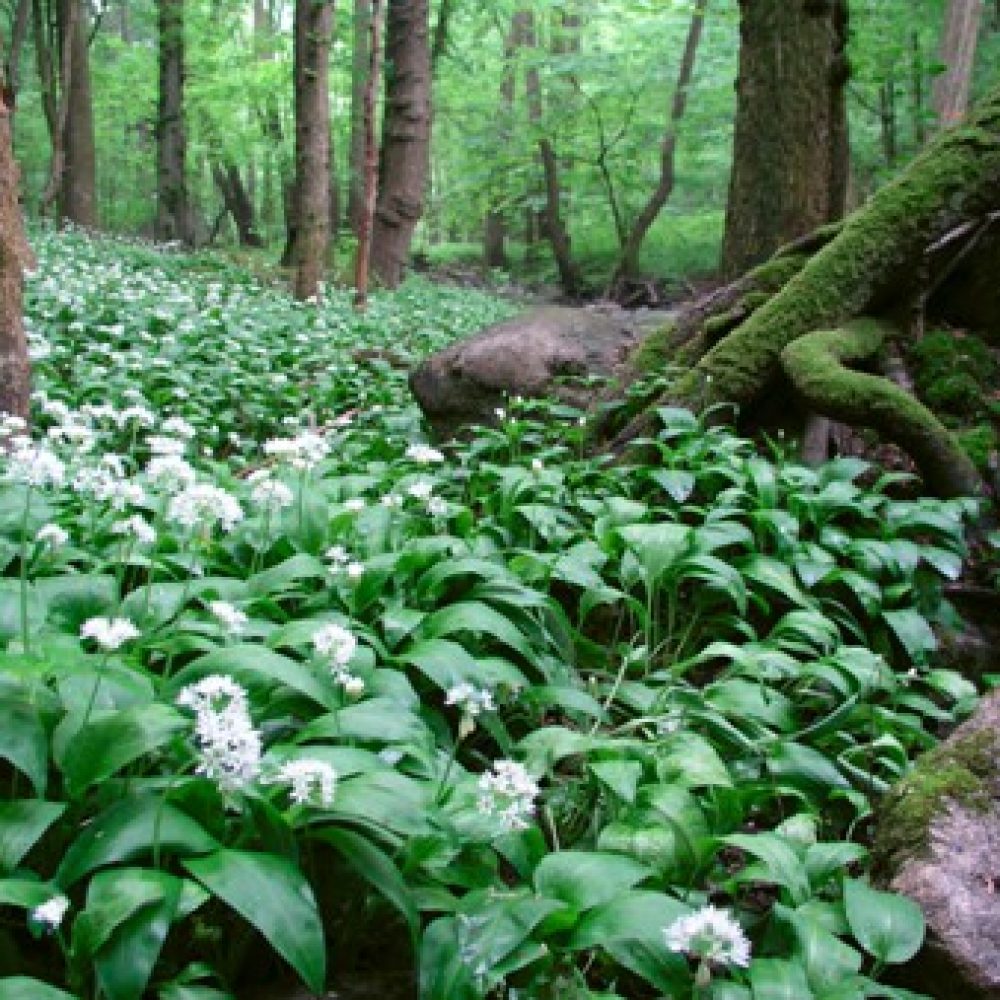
172 213
628 263
313 27
78 193
495 225
790 157
406 142
360 61
367 219
442 33
237 201
882 260
15 369
958 55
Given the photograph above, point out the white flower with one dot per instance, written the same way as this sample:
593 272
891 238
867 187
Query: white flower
303 452
423 454
354 686
159 444
335 642
470 700
202 506
537 465
710 935
170 473
136 526
230 617
500 413
272 495
35 465
227 741
52 535
109 633
508 792
337 554
51 913
179 427
355 570
11 424
313 782
421 490
354 504
437 507
140 415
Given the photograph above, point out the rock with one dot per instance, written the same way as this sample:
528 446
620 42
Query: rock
972 648
938 842
526 356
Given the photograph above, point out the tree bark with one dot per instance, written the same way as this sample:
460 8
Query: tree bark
370 170
790 157
313 27
15 368
78 193
237 201
406 138
628 262
958 54
172 213
360 62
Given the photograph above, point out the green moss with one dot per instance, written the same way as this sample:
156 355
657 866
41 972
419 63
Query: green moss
980 444
959 771
953 374
655 350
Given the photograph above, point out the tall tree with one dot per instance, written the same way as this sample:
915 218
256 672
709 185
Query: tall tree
313 27
790 157
360 67
172 213
15 370
406 138
78 194
958 54
495 225
628 263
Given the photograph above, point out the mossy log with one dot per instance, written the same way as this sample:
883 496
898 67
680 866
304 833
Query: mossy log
874 264
816 366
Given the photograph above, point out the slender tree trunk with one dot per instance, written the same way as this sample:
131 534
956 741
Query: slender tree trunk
366 221
313 27
172 213
442 33
495 225
406 142
628 263
55 90
917 109
15 369
555 228
958 54
78 195
360 62
22 14
790 154
237 201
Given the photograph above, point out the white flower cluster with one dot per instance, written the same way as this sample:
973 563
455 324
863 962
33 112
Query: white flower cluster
424 454
109 633
270 495
51 913
52 536
303 452
338 645
136 527
108 482
227 741
202 506
170 473
471 700
341 562
313 782
711 935
34 465
229 617
508 792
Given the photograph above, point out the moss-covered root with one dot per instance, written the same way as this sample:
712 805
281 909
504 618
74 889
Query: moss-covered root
866 267
815 364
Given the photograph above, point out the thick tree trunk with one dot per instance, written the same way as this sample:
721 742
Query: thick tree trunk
406 138
15 370
880 262
78 193
958 54
790 155
359 76
313 27
628 263
172 213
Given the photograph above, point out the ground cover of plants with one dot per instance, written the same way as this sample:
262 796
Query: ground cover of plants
288 690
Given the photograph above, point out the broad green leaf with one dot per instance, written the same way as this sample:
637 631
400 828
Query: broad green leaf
638 915
272 895
692 760
913 632
444 975
23 742
24 893
796 764
128 829
26 988
888 926
477 618
779 863
102 747
23 823
621 776
585 879
779 979
658 547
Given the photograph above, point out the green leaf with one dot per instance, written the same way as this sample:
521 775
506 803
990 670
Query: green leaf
71 600
796 764
774 576
476 617
26 988
24 893
444 975
779 863
23 823
272 895
886 925
637 915
103 747
691 759
779 979
128 829
380 720
828 961
621 776
658 547
23 742
914 634
585 879
376 867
